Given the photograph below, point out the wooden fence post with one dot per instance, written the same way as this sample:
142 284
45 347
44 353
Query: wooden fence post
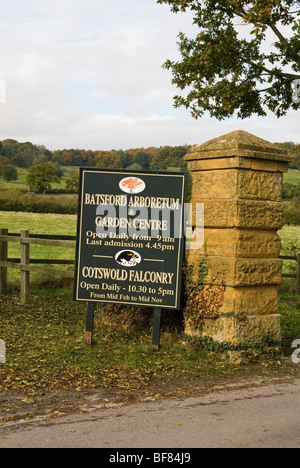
25 275
3 257
298 275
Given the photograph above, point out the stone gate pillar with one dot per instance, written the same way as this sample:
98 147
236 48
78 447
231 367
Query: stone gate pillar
238 177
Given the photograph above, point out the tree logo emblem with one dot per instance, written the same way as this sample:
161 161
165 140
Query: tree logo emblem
132 185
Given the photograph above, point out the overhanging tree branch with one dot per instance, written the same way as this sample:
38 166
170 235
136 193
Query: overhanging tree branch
222 72
285 43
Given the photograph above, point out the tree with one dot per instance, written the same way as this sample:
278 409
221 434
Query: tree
67 157
169 156
72 182
126 159
25 155
44 154
3 162
143 159
9 147
225 73
292 212
103 159
297 161
9 173
58 157
41 176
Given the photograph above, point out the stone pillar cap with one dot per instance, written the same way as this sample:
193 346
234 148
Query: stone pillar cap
238 144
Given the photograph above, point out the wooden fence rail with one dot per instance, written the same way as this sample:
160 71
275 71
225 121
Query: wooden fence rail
296 275
26 264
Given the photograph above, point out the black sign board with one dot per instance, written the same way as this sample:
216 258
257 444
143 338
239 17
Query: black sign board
130 239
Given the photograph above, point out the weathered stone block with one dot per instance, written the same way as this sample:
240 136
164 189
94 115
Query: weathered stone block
267 165
215 184
241 271
226 184
256 243
256 185
246 331
219 163
259 300
217 213
245 271
246 214
232 162
235 243
260 214
258 329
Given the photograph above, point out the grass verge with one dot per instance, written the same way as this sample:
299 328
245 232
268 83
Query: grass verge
46 349
50 371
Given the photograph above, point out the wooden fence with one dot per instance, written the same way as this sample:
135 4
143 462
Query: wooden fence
26 264
296 275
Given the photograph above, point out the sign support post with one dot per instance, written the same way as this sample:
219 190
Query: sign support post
89 323
156 329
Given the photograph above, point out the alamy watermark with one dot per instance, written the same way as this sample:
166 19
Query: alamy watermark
296 91
295 358
2 352
137 222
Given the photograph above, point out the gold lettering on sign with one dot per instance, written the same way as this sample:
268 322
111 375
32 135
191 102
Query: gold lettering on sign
122 200
136 276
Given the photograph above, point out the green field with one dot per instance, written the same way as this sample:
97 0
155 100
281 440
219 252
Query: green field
38 223
292 177
290 238
21 184
55 224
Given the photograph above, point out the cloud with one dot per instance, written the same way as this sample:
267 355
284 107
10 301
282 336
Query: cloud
89 75
2 91
33 68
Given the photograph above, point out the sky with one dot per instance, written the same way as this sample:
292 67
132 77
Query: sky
88 74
